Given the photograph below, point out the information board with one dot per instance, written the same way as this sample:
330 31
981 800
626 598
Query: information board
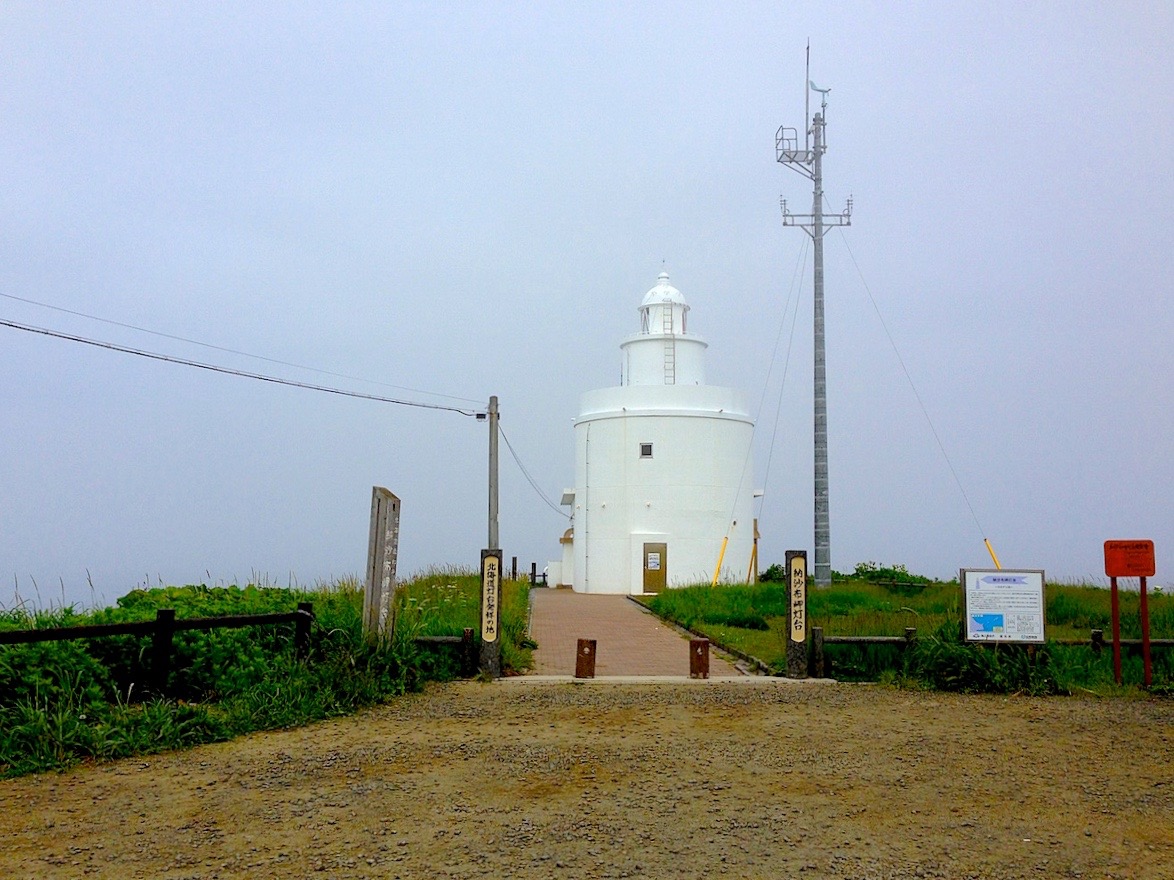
1003 605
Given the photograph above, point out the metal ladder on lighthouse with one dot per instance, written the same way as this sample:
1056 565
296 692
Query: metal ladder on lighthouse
670 345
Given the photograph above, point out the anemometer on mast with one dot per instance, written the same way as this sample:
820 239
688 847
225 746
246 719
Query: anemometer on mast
808 162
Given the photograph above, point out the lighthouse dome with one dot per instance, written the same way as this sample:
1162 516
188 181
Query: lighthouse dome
664 292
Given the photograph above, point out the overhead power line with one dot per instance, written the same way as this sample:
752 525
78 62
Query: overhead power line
793 296
258 357
916 394
528 478
231 372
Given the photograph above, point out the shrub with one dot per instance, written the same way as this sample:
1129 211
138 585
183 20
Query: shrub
774 573
65 701
733 615
946 662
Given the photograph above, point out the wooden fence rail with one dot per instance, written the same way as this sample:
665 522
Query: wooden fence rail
465 644
165 625
820 666
163 628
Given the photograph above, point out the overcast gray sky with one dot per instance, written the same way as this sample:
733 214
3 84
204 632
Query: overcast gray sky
471 199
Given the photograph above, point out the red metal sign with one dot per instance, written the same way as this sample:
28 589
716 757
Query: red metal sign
1129 559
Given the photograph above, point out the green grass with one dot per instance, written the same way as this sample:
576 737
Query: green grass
446 601
752 619
63 702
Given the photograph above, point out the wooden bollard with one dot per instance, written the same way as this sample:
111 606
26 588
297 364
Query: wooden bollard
585 659
699 658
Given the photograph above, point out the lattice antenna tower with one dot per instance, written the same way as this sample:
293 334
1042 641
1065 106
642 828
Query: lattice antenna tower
809 163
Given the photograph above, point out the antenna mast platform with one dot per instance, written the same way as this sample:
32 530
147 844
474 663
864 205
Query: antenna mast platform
808 162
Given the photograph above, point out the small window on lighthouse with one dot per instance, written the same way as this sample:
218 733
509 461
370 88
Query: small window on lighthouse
646 450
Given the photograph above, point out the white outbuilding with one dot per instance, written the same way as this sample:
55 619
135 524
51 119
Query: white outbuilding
663 474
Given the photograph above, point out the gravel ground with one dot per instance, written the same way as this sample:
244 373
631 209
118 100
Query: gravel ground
516 779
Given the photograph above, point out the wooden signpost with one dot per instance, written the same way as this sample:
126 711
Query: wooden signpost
490 612
796 568
1130 559
382 554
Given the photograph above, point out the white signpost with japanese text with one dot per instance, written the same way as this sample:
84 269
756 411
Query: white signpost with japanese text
1003 605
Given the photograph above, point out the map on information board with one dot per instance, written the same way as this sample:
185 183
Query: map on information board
1003 605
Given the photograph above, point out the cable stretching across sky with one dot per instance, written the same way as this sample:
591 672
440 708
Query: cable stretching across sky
110 346
231 372
258 357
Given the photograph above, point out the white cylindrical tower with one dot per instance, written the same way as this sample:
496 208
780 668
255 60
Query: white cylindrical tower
662 465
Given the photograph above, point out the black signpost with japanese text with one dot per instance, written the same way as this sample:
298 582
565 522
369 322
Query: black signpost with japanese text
796 568
490 612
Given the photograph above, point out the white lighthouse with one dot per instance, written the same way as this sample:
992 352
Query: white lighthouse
662 467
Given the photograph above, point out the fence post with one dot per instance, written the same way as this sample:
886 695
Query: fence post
533 574
514 569
1098 640
302 629
469 653
161 650
910 635
817 658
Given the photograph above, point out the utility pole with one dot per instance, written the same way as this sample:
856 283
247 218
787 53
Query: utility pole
490 651
494 539
809 163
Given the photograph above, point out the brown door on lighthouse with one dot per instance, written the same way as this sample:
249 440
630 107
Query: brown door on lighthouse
655 567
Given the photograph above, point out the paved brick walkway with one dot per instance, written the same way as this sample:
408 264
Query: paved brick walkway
629 640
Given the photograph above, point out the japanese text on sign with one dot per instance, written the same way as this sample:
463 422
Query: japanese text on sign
1129 559
798 578
1003 605
490 596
